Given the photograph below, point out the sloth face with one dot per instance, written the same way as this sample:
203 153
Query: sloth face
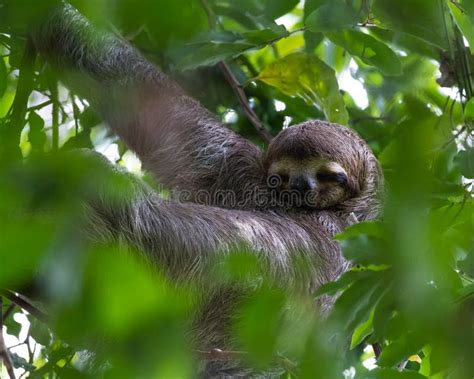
312 182
315 164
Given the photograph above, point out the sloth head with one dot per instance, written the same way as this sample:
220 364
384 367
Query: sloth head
322 165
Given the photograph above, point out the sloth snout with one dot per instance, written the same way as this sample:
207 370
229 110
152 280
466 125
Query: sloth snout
302 183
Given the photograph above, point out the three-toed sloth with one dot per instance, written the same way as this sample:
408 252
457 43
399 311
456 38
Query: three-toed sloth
328 172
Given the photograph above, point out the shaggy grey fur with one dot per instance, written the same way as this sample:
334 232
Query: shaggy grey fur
188 151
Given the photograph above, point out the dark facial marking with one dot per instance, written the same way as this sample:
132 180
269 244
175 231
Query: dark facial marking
338 177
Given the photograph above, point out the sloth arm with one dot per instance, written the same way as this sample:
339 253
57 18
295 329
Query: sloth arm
184 238
180 142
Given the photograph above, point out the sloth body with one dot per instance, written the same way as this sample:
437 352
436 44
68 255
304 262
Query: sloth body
329 168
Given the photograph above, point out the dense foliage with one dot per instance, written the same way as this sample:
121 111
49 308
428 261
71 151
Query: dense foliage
369 64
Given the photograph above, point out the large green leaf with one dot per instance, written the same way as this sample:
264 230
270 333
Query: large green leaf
344 281
362 331
308 77
466 163
3 77
465 21
268 9
331 16
408 344
213 47
469 110
209 54
368 49
264 35
40 332
369 228
405 42
421 18
358 300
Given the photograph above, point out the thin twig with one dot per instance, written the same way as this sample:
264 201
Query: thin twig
39 106
377 349
235 84
454 136
24 89
4 353
53 87
75 113
5 357
8 312
24 303
243 100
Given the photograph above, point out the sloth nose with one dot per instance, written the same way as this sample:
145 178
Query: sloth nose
302 183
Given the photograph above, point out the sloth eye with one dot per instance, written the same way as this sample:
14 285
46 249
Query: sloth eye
337 177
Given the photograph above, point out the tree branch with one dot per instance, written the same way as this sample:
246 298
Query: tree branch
243 100
17 121
24 303
4 353
236 86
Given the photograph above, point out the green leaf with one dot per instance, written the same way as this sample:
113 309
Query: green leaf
81 140
20 362
344 281
13 327
3 76
267 9
40 332
383 314
362 331
408 344
210 54
20 255
262 36
464 21
469 110
369 228
213 47
405 42
89 118
366 250
368 49
36 135
258 326
355 303
331 16
466 163
420 18
308 77
70 373
389 373
276 8
466 291
311 5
